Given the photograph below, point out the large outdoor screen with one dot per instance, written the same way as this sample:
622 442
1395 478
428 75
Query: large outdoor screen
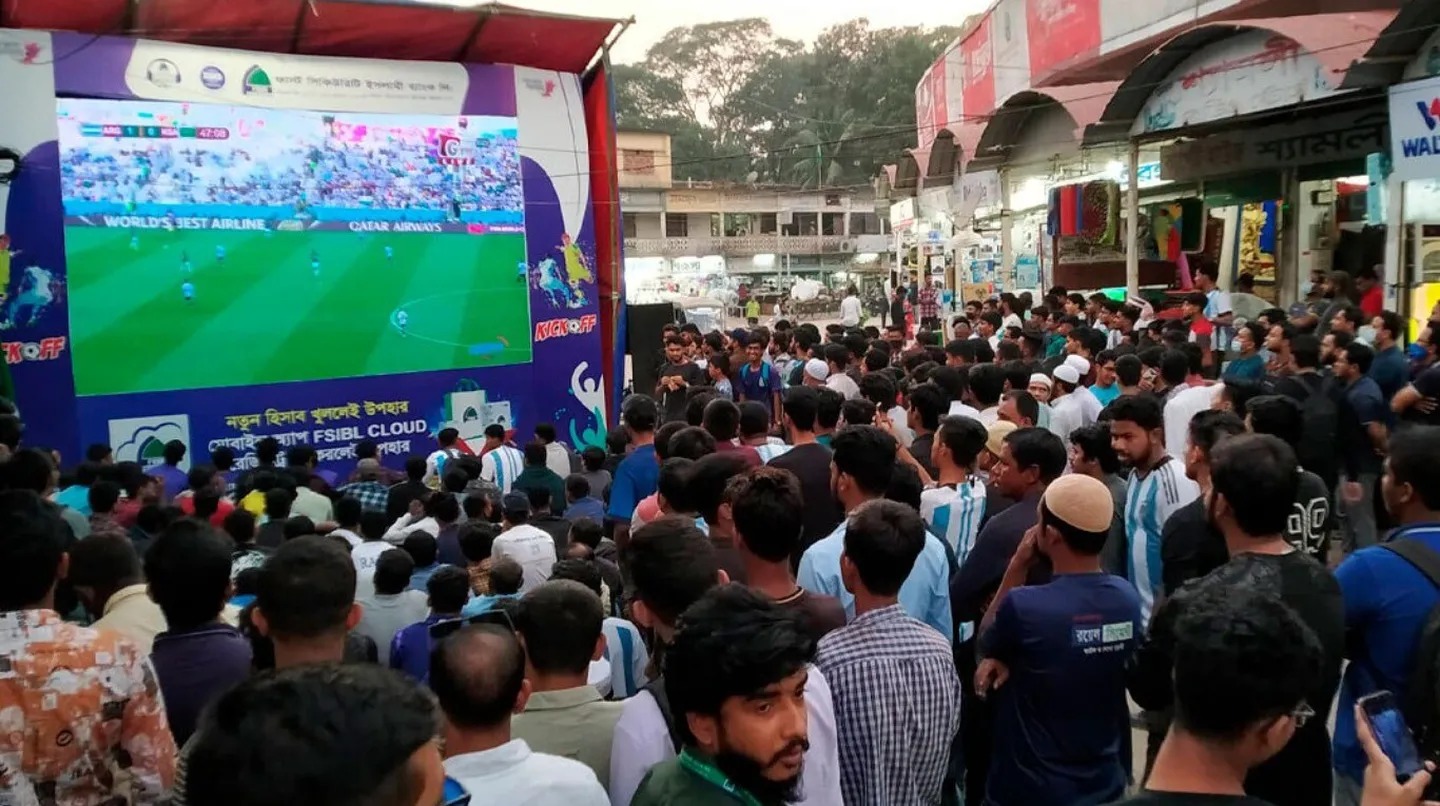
216 245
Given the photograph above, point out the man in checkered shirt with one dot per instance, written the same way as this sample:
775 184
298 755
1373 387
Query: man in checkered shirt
367 489
897 697
927 309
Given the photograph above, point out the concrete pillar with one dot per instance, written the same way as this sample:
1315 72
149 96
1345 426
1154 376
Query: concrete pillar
1291 242
1132 223
1398 279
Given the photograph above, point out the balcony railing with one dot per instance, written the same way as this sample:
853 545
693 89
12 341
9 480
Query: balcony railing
740 245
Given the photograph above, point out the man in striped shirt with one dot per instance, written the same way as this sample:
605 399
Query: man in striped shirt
1158 489
955 507
501 463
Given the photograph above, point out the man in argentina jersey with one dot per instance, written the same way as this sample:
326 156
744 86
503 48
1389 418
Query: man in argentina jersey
954 508
500 463
1158 488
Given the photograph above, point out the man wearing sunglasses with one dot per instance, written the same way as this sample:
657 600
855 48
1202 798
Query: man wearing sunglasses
478 675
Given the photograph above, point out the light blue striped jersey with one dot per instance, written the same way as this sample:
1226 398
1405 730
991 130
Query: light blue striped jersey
625 649
770 451
501 466
954 515
1150 500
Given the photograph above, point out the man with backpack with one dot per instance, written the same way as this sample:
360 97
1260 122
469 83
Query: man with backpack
1391 596
758 381
1321 417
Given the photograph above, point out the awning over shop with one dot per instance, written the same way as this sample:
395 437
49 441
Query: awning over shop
1384 61
1337 41
491 32
1084 103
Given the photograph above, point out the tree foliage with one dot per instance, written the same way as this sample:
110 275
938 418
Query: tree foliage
744 105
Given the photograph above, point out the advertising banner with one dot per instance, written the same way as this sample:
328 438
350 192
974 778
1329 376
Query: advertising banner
218 246
1060 32
1415 129
978 87
930 103
1010 49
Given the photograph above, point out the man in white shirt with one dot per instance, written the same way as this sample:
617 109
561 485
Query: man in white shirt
557 456
1183 406
302 460
530 546
1066 409
449 440
1218 308
851 312
1090 406
478 675
501 463
837 358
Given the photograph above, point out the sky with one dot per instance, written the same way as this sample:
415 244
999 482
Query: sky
795 19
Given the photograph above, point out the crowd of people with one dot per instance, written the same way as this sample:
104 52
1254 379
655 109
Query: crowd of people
812 566
375 171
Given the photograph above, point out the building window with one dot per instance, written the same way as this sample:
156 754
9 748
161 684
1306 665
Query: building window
635 161
864 224
805 224
677 225
768 224
833 224
627 223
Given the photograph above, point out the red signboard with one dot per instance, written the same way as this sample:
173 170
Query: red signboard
1060 32
930 103
978 87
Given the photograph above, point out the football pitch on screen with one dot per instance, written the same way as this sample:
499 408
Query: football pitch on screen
288 306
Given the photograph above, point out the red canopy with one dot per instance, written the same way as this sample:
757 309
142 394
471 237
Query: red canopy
493 32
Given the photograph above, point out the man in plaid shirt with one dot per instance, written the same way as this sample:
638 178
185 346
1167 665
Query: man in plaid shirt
367 489
928 307
897 696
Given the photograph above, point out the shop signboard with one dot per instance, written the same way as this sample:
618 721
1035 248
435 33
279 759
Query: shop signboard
902 215
1250 72
977 189
1415 129
1349 135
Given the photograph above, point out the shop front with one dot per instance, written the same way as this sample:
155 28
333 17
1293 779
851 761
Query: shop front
1415 173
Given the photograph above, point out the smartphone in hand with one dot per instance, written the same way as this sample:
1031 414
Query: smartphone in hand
1387 725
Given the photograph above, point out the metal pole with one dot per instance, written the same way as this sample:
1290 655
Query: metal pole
1007 236
1132 224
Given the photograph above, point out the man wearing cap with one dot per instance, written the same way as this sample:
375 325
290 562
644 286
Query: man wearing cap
1090 404
1056 654
816 371
1067 409
530 546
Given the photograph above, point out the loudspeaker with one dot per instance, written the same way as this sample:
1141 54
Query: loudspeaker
643 325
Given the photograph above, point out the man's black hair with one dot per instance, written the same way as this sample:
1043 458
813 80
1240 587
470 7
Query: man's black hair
103 497
962 348
722 420
35 538
905 486
953 381
1142 410
454 479
1094 443
29 469
593 457
987 383
697 398
188 568
367 449
98 452
421 547
1259 477
883 539
732 642
299 526
306 588
495 431
827 413
867 455
449 589
560 623
506 577
535 454
640 413
858 411
586 572
540 500
104 561
577 486
1360 356
664 436
477 674
1241 657
301 456
673 484
324 735
1415 460
1174 367
964 436
393 569
877 388
200 477
707 480
545 432
447 437
1038 448
415 468
668 564
223 458
174 452
374 525
769 512
930 403
240 526
1305 350
754 419
1211 426
1025 404
587 532
477 540
1128 370
801 404
1276 415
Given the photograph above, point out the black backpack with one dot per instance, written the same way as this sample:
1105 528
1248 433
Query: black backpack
1320 425
1422 700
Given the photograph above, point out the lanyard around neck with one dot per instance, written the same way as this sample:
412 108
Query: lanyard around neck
709 773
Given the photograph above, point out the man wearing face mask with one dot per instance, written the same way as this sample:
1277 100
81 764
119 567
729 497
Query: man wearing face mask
1254 480
1390 369
1062 642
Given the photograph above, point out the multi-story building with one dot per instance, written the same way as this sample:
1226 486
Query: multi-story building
688 228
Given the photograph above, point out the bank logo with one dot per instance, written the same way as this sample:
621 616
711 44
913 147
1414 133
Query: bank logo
212 77
163 73
256 82
142 439
1429 112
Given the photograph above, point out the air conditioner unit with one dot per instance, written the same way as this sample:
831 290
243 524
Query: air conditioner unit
847 245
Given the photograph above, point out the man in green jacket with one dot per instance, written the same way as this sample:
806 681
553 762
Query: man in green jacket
735 678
